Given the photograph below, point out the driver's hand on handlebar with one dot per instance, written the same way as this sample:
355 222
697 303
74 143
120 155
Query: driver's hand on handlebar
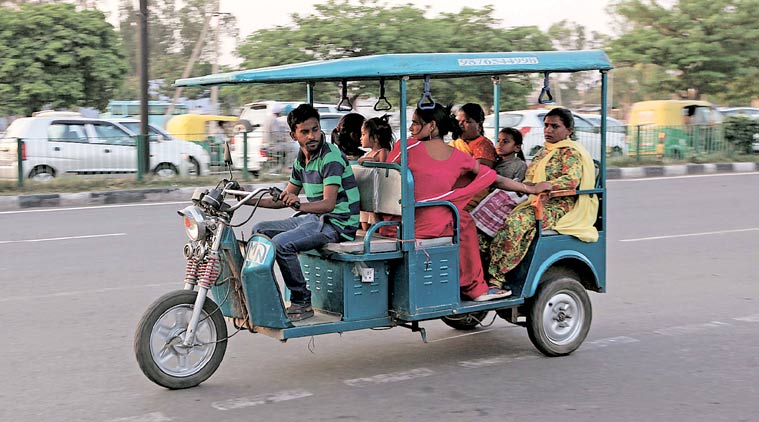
289 199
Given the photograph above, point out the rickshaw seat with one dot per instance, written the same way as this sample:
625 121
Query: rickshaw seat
380 191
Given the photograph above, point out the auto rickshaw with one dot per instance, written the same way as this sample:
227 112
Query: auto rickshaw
372 282
209 130
674 128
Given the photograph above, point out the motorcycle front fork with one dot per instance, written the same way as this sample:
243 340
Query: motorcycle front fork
208 271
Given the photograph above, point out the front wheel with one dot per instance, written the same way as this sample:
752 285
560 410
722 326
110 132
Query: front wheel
158 341
559 316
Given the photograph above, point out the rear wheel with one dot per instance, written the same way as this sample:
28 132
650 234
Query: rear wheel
42 174
559 314
465 322
158 341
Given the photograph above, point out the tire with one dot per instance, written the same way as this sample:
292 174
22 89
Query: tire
465 322
166 320
242 126
194 170
616 152
42 174
559 315
166 170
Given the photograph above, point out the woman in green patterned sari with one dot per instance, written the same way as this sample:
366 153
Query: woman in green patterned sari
565 163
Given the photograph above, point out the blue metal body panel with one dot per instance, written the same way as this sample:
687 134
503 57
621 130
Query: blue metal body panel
415 65
337 287
227 295
264 299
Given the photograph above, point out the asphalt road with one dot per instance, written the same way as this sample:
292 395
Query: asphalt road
675 337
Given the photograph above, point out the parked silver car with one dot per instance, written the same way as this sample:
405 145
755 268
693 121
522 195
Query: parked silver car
57 143
530 123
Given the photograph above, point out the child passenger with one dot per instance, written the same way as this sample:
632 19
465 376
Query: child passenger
511 162
377 136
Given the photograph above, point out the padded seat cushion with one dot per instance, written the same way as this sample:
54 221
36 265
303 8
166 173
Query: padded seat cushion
381 244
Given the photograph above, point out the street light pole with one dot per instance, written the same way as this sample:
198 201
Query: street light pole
143 144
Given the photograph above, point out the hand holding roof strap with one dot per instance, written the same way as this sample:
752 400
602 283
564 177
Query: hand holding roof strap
386 106
341 106
430 104
545 91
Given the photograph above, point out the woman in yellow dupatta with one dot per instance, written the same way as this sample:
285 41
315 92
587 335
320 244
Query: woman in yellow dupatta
567 165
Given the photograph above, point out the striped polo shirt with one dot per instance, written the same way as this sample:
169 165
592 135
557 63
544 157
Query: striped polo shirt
330 167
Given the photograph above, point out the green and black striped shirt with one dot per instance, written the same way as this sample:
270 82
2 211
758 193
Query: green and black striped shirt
330 167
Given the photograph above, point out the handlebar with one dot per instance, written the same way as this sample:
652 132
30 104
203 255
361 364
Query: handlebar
273 191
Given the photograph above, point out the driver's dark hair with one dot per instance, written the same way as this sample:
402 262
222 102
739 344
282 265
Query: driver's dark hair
300 114
566 117
442 116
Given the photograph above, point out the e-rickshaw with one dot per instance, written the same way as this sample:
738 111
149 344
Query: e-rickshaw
372 282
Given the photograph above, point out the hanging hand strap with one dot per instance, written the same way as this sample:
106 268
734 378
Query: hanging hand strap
345 103
545 91
379 106
426 96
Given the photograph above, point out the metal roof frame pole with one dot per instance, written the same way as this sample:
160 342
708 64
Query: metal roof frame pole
496 105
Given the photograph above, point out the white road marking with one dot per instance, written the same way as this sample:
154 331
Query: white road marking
611 341
53 239
243 402
751 229
387 378
460 335
750 318
150 417
646 179
494 361
177 284
95 207
690 328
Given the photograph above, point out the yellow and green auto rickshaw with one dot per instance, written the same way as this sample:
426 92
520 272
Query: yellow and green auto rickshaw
674 128
209 130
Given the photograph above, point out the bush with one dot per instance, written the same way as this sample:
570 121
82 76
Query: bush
739 132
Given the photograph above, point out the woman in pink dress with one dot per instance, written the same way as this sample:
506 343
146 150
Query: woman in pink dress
436 168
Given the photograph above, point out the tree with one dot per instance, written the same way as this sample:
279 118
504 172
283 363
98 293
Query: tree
706 45
344 28
52 54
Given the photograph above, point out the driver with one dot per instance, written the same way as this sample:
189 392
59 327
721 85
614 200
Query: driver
330 215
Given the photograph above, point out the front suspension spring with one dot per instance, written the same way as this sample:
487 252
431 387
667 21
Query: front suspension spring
192 270
210 270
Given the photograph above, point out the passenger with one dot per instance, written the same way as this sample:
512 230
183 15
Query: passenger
566 164
377 136
347 135
436 168
493 209
330 215
511 161
470 118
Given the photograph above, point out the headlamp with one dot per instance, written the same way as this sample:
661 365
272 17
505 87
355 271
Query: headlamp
194 223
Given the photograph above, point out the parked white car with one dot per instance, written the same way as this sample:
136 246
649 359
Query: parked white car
57 143
198 157
530 123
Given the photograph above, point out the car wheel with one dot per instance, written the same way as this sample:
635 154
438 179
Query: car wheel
616 152
166 170
42 174
242 126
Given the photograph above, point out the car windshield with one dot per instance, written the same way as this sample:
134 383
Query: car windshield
506 120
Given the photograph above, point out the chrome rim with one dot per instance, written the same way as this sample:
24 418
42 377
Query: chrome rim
166 347
563 317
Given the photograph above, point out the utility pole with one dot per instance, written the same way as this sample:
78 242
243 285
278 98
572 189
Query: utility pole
215 66
143 161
